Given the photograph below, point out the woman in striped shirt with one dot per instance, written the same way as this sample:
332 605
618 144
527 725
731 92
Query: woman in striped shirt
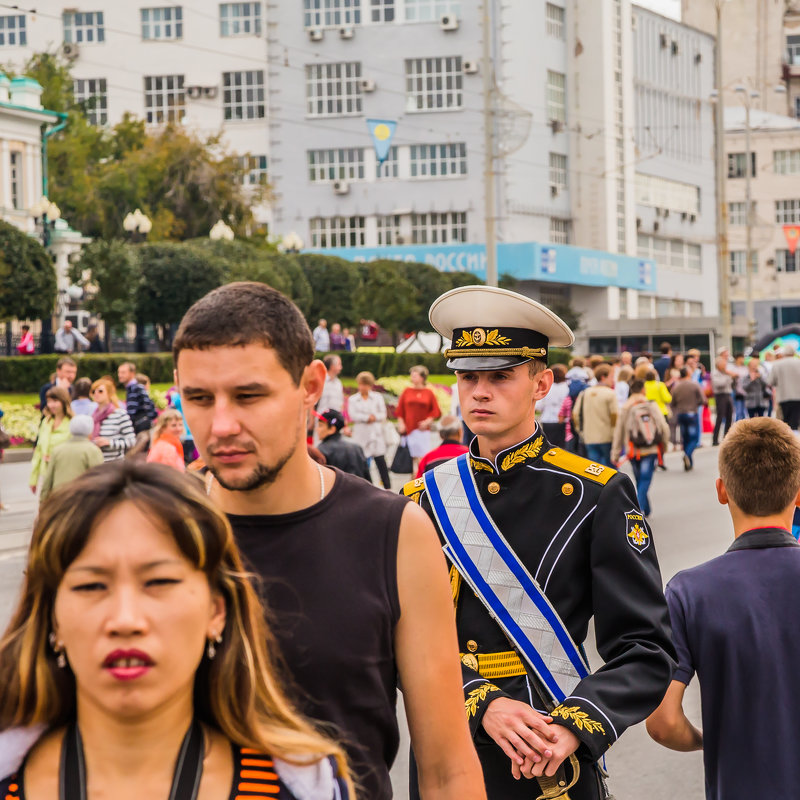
113 430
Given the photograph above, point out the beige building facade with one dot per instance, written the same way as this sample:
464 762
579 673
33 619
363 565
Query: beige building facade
775 192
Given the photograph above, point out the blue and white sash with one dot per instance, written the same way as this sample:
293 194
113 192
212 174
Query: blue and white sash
487 563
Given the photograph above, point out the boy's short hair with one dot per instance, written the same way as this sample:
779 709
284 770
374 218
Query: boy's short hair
759 463
239 314
601 371
82 387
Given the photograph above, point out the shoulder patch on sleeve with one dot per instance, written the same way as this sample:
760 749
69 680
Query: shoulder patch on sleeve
414 489
578 465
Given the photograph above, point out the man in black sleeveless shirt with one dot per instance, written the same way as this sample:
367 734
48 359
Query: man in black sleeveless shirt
353 576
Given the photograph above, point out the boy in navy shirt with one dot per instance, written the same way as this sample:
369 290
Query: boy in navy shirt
733 624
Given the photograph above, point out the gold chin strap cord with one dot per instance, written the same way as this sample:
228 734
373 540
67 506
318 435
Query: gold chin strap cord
557 787
525 352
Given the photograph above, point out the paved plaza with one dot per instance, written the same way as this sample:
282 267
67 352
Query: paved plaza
688 525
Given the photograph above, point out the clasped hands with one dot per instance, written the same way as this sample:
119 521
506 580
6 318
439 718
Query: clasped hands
533 743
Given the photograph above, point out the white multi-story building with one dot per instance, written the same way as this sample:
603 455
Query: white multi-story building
201 63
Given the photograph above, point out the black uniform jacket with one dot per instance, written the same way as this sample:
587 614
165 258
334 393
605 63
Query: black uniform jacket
578 529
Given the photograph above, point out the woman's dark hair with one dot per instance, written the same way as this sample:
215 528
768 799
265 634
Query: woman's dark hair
559 373
243 313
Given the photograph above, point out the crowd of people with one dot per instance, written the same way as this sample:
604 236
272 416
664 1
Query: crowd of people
139 633
339 338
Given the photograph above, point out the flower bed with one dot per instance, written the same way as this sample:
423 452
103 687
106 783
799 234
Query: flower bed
21 423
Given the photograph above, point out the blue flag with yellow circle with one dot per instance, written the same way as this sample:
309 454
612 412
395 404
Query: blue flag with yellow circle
382 131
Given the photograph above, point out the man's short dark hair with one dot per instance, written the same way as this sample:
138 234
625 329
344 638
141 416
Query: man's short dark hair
685 372
759 463
665 348
637 386
601 371
243 313
65 361
82 387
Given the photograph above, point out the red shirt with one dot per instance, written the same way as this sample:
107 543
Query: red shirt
443 452
416 405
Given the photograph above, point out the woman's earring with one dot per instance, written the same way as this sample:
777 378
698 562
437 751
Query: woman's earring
212 650
58 649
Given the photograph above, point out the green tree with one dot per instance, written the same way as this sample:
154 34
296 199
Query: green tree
388 297
334 284
428 283
27 277
173 276
109 273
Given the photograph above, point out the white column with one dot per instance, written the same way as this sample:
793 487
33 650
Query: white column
30 196
5 173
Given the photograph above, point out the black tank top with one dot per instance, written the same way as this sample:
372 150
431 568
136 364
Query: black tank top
330 586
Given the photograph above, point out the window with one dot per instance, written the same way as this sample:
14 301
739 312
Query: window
738 259
559 230
90 94
331 13
558 171
16 179
786 261
695 308
438 160
663 193
430 10
83 27
737 213
797 107
644 309
623 303
12 31
787 211
439 228
389 230
556 96
342 164
793 49
389 167
333 89
786 162
243 95
785 315
255 170
337 231
737 162
240 19
382 10
554 20
164 98
674 254
162 23
433 83
667 307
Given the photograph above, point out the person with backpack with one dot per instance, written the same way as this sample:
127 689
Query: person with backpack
138 404
641 428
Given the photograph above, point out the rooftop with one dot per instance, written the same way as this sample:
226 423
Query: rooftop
759 120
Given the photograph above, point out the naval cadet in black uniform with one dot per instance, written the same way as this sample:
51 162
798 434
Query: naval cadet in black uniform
578 530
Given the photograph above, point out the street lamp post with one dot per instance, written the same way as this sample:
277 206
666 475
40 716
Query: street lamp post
138 225
47 213
747 100
291 243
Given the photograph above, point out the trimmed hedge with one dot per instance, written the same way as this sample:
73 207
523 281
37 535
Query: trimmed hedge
29 373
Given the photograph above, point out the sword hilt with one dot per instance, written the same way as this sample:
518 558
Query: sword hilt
558 786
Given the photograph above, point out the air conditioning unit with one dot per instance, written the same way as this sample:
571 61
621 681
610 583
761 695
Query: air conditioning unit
698 57
449 22
316 34
666 213
341 187
663 40
638 223
553 190
347 33
210 91
692 217
469 67
656 226
674 47
194 92
684 215
70 51
366 85
556 125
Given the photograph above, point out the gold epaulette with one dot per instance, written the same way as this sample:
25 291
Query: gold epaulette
578 465
414 489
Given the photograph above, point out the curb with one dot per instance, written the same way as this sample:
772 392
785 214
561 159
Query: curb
17 454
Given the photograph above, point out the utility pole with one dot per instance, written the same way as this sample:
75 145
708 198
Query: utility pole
722 206
748 203
489 201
